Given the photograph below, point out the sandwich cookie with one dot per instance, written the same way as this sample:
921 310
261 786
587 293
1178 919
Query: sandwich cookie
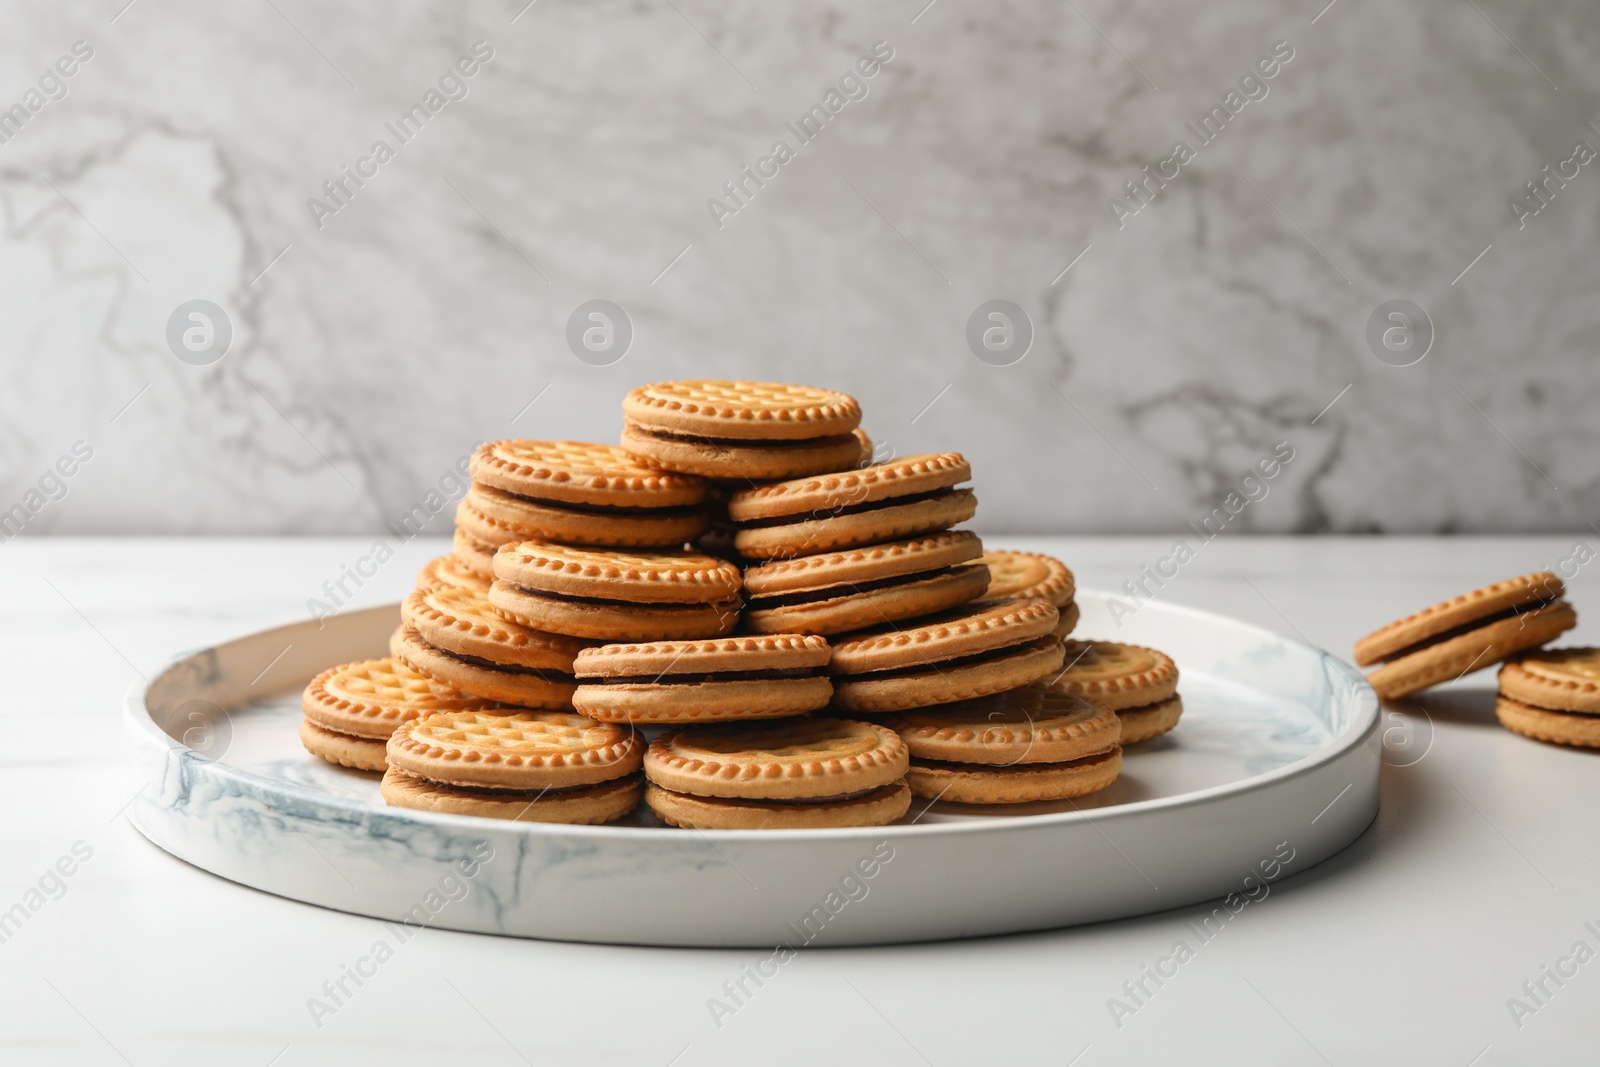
351 710
836 592
454 636
474 555
1553 695
790 774
981 648
721 680
887 502
1468 633
1138 683
1025 745
449 572
532 766
581 493
1033 574
745 431
612 595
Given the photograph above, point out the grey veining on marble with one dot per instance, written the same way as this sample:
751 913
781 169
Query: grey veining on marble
1222 318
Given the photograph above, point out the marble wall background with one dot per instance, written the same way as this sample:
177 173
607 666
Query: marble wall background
368 354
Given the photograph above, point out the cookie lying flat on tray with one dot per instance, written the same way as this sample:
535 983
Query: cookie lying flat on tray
890 501
836 592
352 709
1138 683
1467 633
796 773
1033 574
455 636
612 595
983 647
744 431
720 680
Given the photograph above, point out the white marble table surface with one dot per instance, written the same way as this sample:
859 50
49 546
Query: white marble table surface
1480 871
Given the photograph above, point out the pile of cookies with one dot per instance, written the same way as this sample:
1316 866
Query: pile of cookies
735 568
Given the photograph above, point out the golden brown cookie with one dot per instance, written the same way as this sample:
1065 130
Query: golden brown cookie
836 592
1117 675
1027 575
981 648
722 680
372 697
783 759
476 556
971 783
578 472
357 753
1561 727
582 805
1022 726
1152 720
889 501
523 750
1484 605
747 462
739 410
524 686
878 807
450 572
463 623
1474 646
1560 679
1068 620
495 514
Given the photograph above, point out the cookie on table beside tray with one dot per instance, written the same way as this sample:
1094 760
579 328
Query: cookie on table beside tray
720 680
1138 683
613 595
1034 574
1467 633
799 773
532 766
741 431
1553 695
890 501
836 592
352 709
981 648
579 493
1025 745
455 636
450 572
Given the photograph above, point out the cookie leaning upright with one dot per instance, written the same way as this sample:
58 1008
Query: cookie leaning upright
1552 695
722 680
746 431
1467 633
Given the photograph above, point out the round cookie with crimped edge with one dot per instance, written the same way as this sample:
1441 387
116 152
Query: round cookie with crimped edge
1574 728
741 410
741 461
496 513
784 759
370 698
356 753
837 592
582 805
1448 657
448 572
506 749
523 686
1021 726
1068 620
970 783
579 472
1117 675
878 807
1481 605
475 555
1560 679
463 623
722 680
976 650
1152 720
1029 574
898 499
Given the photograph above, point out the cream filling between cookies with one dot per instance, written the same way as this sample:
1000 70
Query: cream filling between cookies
815 514
848 589
490 792
1468 627
626 511
971 659
701 678
735 443
651 606
788 802
966 766
510 668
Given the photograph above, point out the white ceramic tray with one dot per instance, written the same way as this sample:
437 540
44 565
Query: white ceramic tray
1273 768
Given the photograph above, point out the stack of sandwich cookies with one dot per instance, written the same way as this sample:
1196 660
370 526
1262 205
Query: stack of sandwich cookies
534 766
890 501
837 592
1024 575
744 431
455 636
1026 745
721 680
351 710
474 555
612 595
796 773
1138 683
1468 633
450 572
1553 695
578 493
982 648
